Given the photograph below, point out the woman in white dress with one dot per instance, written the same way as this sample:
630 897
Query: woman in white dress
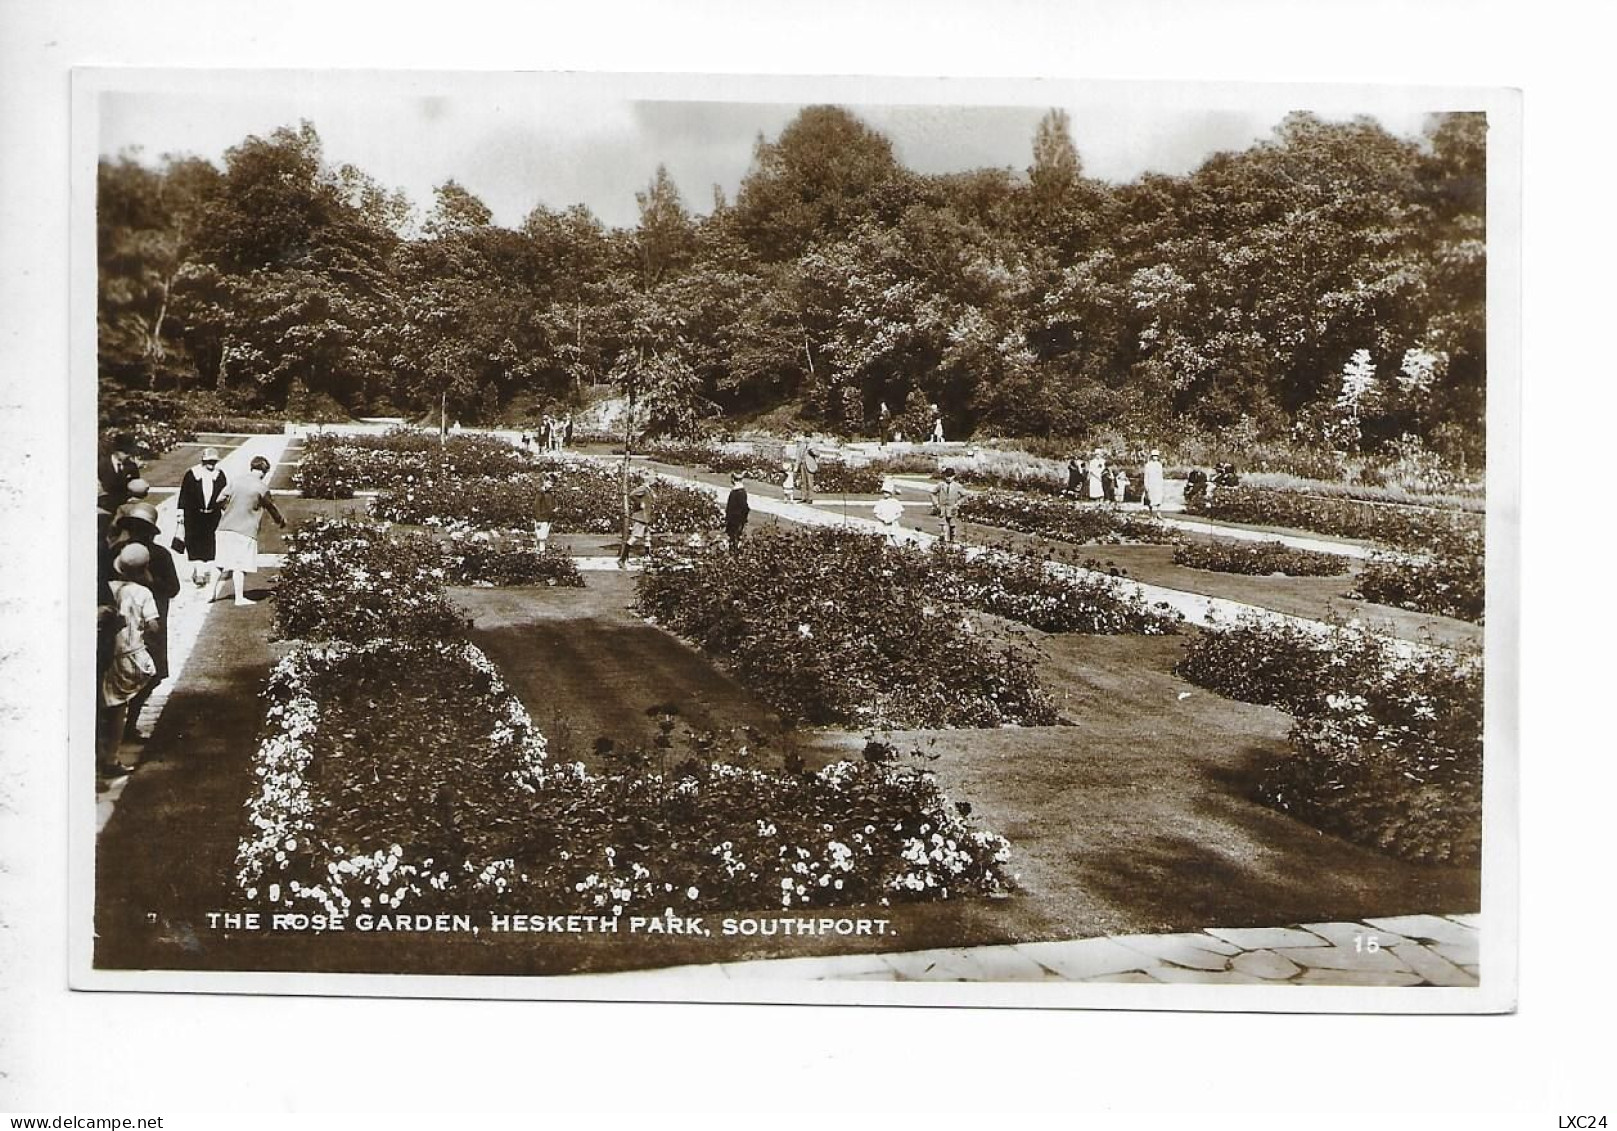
245 504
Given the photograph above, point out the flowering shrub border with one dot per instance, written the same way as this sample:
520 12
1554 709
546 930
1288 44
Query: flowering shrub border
1258 559
831 626
585 498
1407 527
1386 749
1063 520
335 466
1449 580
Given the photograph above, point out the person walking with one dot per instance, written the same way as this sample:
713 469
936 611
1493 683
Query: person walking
201 502
1075 476
788 483
544 512
642 511
937 425
1151 487
129 665
567 431
245 504
946 499
807 464
137 526
737 509
1120 483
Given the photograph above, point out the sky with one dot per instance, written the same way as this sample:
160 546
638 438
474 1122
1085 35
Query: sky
517 140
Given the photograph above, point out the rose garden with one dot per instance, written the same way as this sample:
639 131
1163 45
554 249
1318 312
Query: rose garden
1111 564
1004 740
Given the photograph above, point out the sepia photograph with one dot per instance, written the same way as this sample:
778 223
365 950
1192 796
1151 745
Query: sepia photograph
724 538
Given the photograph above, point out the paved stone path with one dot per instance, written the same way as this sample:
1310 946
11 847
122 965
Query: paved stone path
1407 950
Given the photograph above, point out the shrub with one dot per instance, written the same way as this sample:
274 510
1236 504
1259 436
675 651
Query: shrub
249 425
1041 595
828 626
585 498
1387 748
334 467
1448 581
477 559
1063 520
1403 526
1258 558
350 580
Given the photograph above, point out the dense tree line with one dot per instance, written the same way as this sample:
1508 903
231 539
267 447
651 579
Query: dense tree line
1326 284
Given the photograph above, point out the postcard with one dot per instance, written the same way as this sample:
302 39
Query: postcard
860 540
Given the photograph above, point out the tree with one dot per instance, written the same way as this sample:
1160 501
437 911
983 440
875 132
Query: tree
824 174
666 238
146 223
456 211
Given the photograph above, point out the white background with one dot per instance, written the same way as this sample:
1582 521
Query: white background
142 1054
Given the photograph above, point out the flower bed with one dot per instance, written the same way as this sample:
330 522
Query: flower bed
1386 750
1025 589
1062 520
236 425
1258 558
829 626
1403 526
585 498
334 467
349 580
478 559
1448 581
396 770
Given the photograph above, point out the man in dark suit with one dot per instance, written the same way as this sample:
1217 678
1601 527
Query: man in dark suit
736 511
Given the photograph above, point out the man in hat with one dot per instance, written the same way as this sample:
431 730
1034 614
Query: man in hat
201 503
642 508
807 464
544 512
1151 487
137 526
946 499
889 511
737 509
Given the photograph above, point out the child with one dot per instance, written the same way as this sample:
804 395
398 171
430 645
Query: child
790 483
889 511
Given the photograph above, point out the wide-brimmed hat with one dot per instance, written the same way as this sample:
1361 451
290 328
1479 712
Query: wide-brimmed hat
737 477
948 473
1155 454
132 562
139 512
210 455
138 488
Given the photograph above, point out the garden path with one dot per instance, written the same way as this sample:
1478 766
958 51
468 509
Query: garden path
1410 950
188 611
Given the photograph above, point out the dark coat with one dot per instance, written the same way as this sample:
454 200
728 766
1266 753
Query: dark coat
736 510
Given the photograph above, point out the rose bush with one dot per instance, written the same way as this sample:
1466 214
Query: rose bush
1387 747
335 466
1063 520
585 498
1257 558
1408 527
1447 580
829 626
